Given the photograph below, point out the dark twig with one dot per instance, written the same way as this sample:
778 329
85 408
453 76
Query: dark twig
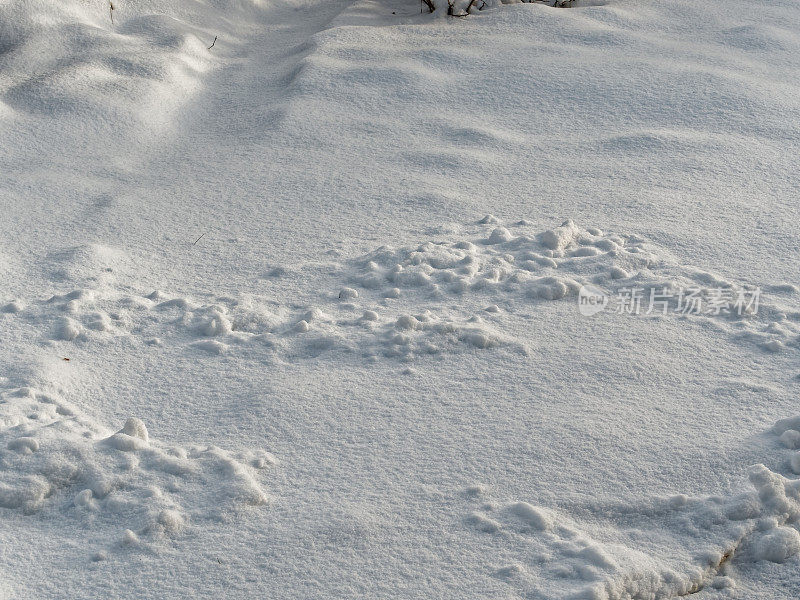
451 7
552 3
111 10
212 43
198 239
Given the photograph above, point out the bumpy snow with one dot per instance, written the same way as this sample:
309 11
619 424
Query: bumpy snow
52 459
342 299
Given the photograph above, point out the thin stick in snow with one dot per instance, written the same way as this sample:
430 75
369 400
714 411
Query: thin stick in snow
212 43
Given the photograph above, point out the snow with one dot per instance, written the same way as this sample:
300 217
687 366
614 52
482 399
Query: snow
328 308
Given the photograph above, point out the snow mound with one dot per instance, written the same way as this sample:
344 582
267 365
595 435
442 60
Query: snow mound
69 57
683 545
56 461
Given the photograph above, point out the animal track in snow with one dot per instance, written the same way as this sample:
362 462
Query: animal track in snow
615 560
465 292
511 270
56 461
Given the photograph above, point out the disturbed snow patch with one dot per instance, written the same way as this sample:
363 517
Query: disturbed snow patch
477 289
140 490
511 270
666 548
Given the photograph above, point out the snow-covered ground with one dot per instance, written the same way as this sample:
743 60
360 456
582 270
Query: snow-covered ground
297 315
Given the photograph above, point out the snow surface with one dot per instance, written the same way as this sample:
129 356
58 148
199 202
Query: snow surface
296 315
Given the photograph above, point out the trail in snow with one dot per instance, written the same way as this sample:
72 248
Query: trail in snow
461 289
